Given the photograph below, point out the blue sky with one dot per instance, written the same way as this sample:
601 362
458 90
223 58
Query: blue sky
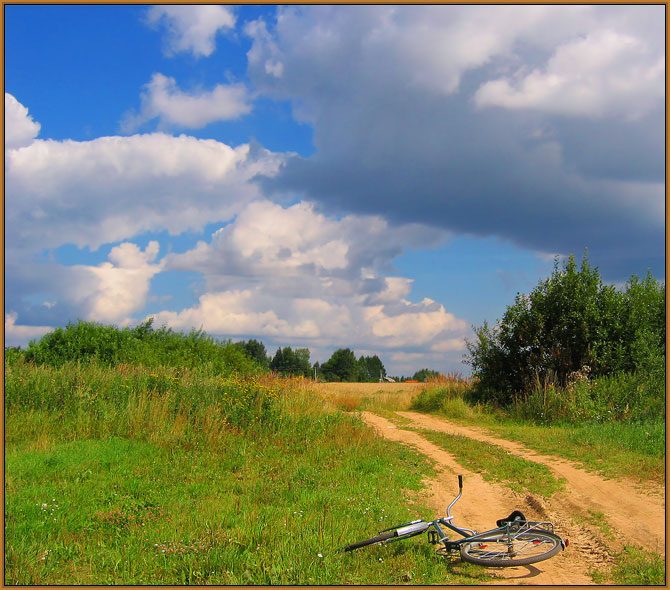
375 177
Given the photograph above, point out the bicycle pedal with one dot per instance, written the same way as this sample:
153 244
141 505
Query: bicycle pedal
433 537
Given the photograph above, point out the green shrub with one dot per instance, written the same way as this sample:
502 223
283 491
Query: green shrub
571 323
142 345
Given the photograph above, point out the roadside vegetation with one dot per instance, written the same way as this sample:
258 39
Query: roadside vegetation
576 368
210 472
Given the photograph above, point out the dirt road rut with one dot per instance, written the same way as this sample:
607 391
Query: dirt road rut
484 502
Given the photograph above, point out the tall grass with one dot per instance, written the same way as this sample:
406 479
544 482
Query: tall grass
614 398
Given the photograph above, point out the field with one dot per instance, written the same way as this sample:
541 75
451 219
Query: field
132 475
367 389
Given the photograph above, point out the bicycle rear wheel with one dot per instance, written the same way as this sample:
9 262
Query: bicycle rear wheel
503 550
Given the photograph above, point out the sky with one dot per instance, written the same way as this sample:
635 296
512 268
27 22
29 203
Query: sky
382 178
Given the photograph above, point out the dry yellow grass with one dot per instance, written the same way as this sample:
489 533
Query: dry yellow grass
363 396
369 388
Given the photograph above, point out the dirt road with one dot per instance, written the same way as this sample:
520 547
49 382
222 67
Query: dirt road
484 502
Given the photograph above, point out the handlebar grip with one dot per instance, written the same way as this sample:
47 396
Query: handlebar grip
460 482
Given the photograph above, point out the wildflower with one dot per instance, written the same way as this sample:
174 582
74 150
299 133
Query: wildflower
321 556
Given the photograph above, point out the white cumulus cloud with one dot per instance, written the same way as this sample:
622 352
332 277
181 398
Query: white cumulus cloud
112 291
20 128
296 275
162 99
112 188
18 335
600 74
191 28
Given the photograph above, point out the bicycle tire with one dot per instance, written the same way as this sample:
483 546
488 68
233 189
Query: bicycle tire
395 533
372 540
495 550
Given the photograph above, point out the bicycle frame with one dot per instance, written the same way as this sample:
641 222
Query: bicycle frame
515 541
436 536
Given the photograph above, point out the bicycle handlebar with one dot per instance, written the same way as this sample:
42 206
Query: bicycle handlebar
460 482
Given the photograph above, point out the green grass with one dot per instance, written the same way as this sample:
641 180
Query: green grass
633 449
613 449
497 464
269 511
166 481
637 567
633 566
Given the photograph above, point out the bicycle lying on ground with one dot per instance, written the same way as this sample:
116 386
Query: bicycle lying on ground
515 541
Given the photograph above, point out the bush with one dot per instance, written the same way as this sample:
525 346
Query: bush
569 323
142 345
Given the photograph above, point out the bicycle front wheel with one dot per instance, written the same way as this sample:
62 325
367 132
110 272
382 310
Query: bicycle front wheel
396 533
371 541
502 550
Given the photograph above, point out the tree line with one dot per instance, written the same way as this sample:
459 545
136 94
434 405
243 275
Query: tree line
145 345
341 366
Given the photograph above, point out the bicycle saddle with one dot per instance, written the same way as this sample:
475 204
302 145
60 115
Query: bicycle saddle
516 515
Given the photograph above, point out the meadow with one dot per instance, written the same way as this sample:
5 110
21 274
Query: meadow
132 475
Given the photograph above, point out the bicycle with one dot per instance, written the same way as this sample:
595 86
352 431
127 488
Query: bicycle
515 540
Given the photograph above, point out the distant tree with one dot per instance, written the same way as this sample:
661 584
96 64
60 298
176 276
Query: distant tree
255 350
370 369
425 374
291 362
341 366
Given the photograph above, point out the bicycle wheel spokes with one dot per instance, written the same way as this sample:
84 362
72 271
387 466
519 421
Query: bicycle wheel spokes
508 550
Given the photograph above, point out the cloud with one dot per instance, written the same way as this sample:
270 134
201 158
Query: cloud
301 250
298 276
20 129
21 335
603 74
285 273
112 291
393 91
162 99
191 28
112 188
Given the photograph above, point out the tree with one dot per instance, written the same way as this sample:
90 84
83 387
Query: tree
256 351
370 369
341 366
568 322
290 362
